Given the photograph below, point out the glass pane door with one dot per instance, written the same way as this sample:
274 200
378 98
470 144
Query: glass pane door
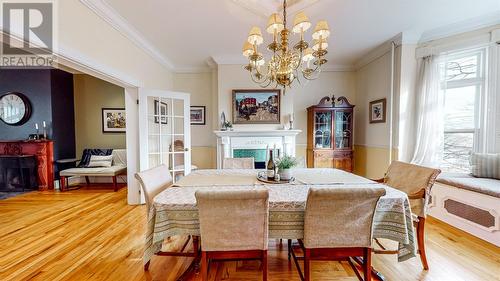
322 129
164 132
343 131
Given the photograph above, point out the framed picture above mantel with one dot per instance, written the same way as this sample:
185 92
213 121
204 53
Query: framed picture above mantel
256 106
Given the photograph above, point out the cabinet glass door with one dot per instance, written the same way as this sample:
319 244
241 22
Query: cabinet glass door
343 131
322 129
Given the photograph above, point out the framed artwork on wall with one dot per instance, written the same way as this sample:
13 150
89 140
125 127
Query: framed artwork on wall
198 114
113 120
377 111
256 106
161 109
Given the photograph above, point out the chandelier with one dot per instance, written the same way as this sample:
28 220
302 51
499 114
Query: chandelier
286 64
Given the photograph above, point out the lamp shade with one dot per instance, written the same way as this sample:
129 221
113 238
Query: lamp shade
275 24
300 23
316 44
321 30
308 55
247 49
255 36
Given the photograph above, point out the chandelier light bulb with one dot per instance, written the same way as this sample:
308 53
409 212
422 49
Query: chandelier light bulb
301 23
247 49
275 24
255 36
321 30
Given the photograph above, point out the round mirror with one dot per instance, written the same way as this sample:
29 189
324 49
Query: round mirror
15 109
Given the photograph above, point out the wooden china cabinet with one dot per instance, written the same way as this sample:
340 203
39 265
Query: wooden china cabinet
329 134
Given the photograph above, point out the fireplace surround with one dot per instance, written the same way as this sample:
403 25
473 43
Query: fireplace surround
234 144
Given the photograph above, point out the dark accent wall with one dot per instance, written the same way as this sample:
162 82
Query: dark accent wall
50 92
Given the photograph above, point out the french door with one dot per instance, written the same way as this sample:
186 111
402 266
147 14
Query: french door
164 131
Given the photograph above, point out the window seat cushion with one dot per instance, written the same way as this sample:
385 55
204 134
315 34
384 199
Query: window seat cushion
466 181
96 172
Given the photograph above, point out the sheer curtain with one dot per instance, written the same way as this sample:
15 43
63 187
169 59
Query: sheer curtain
429 114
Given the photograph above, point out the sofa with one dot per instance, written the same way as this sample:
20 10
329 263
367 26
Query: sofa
118 167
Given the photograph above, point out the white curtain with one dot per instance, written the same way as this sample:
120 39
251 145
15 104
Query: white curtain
429 114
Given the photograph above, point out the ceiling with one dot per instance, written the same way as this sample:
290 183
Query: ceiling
189 32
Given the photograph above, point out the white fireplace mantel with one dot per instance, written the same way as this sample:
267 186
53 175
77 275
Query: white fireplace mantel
227 141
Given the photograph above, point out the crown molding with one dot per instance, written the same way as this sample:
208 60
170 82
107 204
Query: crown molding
379 51
111 16
461 27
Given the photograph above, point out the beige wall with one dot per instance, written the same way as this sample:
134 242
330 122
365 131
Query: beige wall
232 77
372 141
200 87
91 95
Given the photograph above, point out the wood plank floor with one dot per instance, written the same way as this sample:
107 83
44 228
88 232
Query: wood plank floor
92 234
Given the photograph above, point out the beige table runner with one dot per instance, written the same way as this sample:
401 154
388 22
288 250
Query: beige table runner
249 177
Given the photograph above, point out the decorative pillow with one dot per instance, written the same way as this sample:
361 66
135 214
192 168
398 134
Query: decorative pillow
485 165
100 161
87 153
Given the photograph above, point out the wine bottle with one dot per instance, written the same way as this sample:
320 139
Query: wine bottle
271 167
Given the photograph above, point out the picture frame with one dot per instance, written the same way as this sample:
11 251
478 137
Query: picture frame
113 120
161 109
262 106
377 111
198 115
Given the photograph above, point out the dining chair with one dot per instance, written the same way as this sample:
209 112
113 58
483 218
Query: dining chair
416 181
233 226
153 182
238 163
337 226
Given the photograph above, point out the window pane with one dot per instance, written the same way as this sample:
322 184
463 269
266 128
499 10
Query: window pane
457 149
459 108
462 67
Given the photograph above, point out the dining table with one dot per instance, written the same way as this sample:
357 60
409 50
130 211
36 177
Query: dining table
174 211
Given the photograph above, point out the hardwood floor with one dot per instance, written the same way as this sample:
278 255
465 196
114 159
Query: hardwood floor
93 234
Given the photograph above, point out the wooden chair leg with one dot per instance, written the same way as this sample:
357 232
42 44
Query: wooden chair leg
62 183
367 264
421 242
87 180
264 265
196 245
204 266
307 264
115 185
289 244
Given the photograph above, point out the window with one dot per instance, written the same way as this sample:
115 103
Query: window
463 85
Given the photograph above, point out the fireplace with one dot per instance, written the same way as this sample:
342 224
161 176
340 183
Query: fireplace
18 173
237 144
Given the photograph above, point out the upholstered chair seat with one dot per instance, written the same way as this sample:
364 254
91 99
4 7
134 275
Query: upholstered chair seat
238 163
153 182
337 225
233 225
